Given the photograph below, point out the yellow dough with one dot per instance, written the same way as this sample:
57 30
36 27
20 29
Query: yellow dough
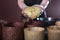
33 12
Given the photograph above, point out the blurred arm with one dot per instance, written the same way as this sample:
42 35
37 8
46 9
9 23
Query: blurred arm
21 4
44 4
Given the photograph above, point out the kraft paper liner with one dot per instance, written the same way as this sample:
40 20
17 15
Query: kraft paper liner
12 33
53 34
34 33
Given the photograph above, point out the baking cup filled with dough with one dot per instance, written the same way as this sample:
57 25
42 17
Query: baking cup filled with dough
54 32
33 12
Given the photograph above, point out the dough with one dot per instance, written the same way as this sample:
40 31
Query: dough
54 27
57 23
33 12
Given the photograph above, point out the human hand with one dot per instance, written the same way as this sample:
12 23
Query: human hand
23 13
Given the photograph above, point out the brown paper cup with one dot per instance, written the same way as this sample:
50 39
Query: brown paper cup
12 33
53 34
34 33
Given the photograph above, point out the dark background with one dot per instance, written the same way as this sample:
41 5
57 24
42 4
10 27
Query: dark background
10 11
